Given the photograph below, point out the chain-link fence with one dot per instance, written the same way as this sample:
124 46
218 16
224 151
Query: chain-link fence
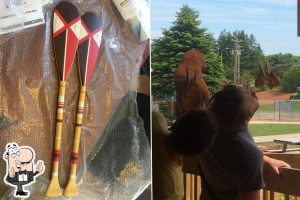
278 110
270 110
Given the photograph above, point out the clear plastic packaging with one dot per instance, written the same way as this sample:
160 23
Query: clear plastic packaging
12 16
114 158
137 13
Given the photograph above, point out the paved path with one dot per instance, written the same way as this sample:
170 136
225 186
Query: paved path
270 138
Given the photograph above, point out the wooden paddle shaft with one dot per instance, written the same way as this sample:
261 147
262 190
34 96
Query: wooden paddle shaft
76 141
59 119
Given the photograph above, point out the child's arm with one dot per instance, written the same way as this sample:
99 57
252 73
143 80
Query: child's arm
275 164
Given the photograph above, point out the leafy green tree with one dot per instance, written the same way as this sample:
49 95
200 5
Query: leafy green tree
280 63
247 80
167 52
250 52
291 79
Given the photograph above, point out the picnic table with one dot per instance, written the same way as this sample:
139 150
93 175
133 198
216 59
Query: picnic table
288 140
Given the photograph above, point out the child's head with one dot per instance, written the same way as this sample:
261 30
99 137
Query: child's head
193 132
233 108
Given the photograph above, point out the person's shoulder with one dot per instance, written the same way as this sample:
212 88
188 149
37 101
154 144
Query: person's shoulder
243 137
246 145
158 139
159 123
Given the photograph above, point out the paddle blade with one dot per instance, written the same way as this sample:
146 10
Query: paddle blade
71 188
89 45
66 30
53 189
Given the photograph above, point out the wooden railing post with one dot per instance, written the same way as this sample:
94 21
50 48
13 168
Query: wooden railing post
266 195
288 182
171 105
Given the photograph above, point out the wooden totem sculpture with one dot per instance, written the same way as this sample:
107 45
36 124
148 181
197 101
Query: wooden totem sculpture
267 77
190 93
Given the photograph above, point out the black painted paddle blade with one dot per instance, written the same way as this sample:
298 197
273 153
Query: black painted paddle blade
66 30
89 45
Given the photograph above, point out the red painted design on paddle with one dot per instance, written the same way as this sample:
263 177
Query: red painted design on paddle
93 53
80 110
75 155
66 25
74 158
56 155
56 158
74 161
61 105
93 50
90 34
56 151
71 42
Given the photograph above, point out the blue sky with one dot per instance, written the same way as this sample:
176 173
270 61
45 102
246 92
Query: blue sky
272 22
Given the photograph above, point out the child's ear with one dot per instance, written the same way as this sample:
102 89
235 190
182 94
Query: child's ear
6 156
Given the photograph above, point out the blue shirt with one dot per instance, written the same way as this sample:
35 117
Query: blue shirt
233 165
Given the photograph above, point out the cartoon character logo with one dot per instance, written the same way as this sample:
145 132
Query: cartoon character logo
20 169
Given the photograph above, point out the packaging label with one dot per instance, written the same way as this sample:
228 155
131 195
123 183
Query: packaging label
20 14
127 8
136 12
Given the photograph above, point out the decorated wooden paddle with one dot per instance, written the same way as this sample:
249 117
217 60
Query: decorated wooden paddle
88 48
66 30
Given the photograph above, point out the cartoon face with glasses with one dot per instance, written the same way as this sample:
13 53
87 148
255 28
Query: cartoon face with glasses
20 167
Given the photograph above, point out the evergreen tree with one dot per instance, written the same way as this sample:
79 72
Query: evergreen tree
167 52
224 47
250 52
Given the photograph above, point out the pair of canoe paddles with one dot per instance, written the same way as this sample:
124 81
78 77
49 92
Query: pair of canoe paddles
71 33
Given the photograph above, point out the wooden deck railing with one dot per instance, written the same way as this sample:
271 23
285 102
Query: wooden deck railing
286 186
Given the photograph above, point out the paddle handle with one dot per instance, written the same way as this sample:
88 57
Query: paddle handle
59 119
76 141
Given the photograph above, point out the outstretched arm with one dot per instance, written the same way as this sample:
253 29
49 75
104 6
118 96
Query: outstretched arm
275 164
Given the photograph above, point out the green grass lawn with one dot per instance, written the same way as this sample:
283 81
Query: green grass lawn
273 129
270 107
297 106
266 108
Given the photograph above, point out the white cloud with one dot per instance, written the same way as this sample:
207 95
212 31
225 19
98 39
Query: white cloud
276 2
256 10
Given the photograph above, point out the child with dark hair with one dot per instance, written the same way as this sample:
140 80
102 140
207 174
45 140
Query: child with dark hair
232 167
191 134
233 106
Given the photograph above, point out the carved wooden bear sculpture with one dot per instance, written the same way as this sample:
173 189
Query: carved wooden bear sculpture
190 93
